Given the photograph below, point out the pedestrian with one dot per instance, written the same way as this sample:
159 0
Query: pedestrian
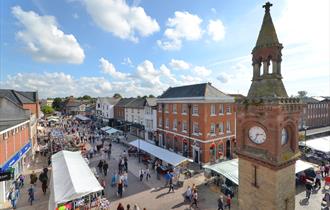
13 197
158 169
309 188
125 180
43 179
103 184
220 203
326 169
21 178
194 198
109 152
33 178
100 166
136 207
318 178
105 168
141 175
171 186
228 201
120 207
322 169
31 194
128 207
125 164
120 188
188 194
147 172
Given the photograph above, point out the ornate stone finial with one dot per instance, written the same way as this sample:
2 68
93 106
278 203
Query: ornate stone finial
267 6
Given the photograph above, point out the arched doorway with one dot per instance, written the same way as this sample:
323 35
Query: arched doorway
228 149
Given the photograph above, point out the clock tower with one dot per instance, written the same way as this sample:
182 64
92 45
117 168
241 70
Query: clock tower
267 130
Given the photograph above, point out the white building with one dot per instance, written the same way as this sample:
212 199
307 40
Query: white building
105 107
134 114
150 119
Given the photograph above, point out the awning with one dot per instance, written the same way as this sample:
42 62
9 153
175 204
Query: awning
105 128
163 154
228 169
302 166
113 130
320 144
82 118
66 182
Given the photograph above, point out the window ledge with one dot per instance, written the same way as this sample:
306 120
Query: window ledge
213 115
184 131
195 115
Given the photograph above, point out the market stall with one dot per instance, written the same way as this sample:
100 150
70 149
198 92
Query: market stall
82 118
71 190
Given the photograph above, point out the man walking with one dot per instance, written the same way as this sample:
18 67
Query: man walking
31 194
13 197
105 168
171 186
220 203
43 179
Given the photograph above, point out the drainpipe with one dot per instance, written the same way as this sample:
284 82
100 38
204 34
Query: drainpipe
189 127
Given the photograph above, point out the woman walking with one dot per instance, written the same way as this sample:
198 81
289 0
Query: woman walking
120 188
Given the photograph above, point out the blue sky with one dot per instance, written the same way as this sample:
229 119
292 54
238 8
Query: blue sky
100 47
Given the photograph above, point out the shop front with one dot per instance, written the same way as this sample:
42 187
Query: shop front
15 166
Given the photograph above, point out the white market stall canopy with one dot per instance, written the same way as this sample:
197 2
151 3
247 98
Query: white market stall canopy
321 144
105 128
229 168
71 178
163 154
113 130
82 118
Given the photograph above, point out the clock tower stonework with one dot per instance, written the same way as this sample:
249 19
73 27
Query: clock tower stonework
267 130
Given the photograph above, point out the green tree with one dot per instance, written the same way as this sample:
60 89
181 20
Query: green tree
151 96
47 109
57 104
86 97
117 95
302 94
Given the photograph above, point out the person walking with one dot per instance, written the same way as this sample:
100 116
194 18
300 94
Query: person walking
228 201
194 198
322 169
33 178
120 188
105 168
31 194
109 152
318 178
13 197
147 172
128 207
141 175
125 164
171 186
309 188
125 180
188 194
43 179
100 166
220 203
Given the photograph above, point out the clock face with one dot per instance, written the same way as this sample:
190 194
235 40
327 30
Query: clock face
284 136
257 135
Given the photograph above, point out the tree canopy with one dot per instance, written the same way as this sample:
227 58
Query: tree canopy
57 104
302 93
117 95
47 109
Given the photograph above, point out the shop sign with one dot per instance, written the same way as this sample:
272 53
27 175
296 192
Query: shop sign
16 157
4 176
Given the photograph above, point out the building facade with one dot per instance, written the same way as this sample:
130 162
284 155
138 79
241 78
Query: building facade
150 119
134 116
316 112
105 107
15 143
197 121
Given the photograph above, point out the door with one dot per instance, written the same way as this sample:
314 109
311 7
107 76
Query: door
196 158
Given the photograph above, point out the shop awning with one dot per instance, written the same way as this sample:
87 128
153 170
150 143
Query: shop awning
112 131
302 166
228 169
67 183
82 118
163 154
321 144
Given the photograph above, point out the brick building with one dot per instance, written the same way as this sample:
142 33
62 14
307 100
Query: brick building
15 141
197 121
316 112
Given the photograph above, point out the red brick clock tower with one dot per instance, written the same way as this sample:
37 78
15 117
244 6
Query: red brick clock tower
267 130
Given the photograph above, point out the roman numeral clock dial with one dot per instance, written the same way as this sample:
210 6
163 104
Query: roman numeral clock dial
257 135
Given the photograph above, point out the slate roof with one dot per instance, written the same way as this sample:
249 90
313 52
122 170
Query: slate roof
19 97
137 103
109 100
309 100
191 91
124 101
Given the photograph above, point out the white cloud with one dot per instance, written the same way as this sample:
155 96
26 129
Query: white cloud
188 80
110 69
45 41
128 62
216 30
147 72
121 20
179 64
184 26
202 71
223 78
